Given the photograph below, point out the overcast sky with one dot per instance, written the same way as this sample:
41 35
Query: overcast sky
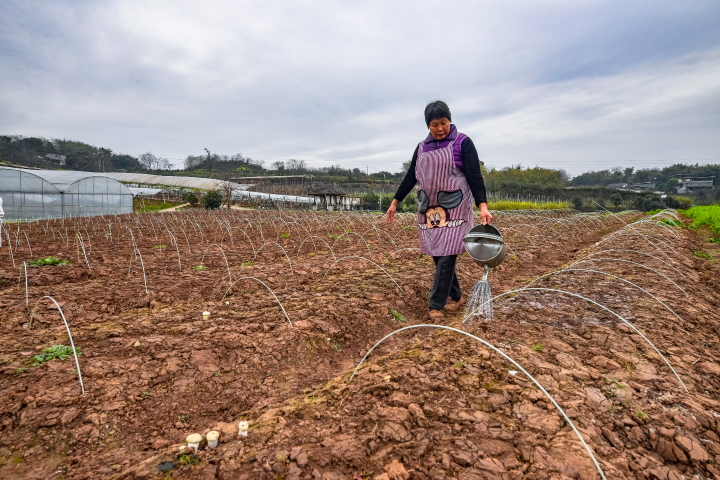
561 84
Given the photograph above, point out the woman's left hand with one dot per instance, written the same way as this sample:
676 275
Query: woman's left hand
485 217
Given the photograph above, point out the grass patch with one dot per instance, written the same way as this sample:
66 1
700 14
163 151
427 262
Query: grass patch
152 206
41 262
58 351
285 235
199 267
160 246
249 263
704 216
538 347
702 255
672 223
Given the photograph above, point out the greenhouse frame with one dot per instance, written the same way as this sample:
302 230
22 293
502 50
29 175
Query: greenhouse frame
40 194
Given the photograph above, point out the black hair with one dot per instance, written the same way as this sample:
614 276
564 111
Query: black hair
436 110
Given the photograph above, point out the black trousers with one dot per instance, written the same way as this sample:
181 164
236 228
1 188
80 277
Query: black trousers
446 282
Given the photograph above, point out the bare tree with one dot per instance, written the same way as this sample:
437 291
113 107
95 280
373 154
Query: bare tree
210 162
228 188
296 166
164 164
148 161
104 155
279 166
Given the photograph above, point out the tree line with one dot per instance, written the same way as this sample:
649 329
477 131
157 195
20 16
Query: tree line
513 180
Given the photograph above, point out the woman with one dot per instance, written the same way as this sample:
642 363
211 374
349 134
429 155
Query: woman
447 167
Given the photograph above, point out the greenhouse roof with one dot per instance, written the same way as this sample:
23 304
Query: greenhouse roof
167 180
62 179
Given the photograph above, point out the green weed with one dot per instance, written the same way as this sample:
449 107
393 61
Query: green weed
189 460
199 267
398 316
672 223
620 385
460 363
641 414
249 263
538 347
58 351
702 255
160 246
285 235
48 261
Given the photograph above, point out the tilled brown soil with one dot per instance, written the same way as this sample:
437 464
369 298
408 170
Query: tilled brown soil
428 403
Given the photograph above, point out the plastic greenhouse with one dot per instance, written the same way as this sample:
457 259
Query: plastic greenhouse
39 194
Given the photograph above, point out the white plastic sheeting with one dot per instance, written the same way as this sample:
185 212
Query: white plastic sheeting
255 196
144 191
36 194
167 180
203 184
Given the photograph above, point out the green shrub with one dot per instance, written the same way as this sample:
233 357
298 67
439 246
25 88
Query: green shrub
190 197
577 202
212 199
682 202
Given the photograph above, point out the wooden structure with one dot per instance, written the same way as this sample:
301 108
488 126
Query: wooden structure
330 199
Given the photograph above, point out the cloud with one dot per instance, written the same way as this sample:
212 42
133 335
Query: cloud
562 84
651 116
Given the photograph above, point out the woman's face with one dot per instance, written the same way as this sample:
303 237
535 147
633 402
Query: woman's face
440 128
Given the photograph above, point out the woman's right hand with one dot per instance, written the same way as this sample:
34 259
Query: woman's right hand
391 211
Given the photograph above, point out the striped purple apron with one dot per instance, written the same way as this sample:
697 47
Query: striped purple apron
445 203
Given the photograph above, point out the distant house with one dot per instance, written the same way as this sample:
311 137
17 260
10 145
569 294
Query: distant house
56 159
328 198
642 186
634 187
687 184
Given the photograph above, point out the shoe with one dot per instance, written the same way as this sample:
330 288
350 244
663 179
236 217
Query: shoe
452 306
436 314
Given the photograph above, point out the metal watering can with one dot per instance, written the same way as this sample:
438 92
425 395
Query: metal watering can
486 246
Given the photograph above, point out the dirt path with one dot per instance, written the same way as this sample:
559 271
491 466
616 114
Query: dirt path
172 209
